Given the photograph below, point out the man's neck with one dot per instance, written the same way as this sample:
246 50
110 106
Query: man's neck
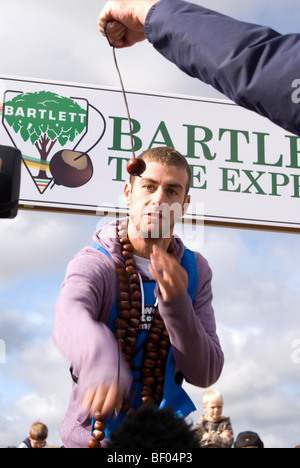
142 247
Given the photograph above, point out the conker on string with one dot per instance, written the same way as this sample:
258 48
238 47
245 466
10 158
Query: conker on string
94 444
136 167
99 426
98 416
98 435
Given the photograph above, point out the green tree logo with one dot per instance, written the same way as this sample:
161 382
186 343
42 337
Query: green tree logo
44 118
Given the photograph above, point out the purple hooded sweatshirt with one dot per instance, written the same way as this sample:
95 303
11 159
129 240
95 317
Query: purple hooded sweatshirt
81 329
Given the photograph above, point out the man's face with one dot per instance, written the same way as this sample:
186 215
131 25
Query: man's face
157 200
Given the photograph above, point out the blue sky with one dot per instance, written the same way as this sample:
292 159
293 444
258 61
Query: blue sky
256 274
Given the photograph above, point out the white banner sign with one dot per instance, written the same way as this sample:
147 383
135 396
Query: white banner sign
75 144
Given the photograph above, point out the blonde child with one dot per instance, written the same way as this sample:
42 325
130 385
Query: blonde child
213 429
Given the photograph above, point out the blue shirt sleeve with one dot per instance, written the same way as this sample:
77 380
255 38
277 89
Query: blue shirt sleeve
252 65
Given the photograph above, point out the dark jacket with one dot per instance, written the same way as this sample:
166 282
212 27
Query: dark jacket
25 444
253 65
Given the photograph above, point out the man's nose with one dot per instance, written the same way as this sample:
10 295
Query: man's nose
158 197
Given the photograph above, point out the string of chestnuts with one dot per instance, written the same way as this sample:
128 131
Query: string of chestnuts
126 327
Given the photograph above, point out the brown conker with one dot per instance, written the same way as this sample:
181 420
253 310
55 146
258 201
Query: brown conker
136 166
98 415
98 435
94 444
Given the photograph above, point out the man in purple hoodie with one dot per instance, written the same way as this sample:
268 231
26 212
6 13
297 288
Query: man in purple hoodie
174 292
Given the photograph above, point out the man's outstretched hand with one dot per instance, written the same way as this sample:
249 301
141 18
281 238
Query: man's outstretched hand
122 21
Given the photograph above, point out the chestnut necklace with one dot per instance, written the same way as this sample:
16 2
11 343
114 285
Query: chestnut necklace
126 327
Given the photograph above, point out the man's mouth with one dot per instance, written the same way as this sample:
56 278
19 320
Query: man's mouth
155 215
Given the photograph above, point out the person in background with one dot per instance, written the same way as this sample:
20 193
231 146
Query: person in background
248 439
253 65
213 429
37 438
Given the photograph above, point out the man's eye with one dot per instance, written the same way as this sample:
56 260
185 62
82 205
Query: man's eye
172 192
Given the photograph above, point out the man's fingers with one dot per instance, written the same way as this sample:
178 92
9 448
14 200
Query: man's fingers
104 18
106 400
157 275
114 32
168 273
93 400
161 259
123 21
112 401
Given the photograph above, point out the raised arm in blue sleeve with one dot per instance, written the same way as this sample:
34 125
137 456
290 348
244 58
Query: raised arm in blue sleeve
253 65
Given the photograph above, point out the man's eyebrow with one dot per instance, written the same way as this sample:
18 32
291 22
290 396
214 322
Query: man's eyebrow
176 185
173 185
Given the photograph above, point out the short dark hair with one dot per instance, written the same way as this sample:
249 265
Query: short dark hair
167 157
150 427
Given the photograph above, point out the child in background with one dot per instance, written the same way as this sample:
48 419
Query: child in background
213 429
37 436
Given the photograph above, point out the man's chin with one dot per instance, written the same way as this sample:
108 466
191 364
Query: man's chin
154 231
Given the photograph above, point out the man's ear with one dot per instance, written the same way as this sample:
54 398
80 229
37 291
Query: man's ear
127 193
186 205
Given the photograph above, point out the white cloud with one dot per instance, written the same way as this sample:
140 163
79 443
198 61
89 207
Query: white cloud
44 373
23 412
38 243
256 304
